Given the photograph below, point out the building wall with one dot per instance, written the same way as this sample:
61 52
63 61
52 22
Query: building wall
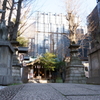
94 25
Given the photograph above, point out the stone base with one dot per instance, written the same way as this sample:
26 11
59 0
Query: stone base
17 79
75 74
93 80
5 80
6 53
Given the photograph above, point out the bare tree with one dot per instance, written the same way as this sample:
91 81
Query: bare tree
73 18
15 8
26 15
72 9
15 26
4 8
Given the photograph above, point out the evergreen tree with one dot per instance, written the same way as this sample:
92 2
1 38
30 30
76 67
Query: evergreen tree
49 61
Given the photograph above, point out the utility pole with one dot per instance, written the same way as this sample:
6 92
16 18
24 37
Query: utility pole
44 33
37 32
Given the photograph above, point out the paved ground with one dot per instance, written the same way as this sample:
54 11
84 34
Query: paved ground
1 87
51 91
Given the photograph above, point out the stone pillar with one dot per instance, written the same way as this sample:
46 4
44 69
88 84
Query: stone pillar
6 54
25 71
94 65
75 70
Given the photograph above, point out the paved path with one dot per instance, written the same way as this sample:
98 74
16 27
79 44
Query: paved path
1 87
51 91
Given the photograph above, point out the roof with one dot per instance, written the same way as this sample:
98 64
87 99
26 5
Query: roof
22 49
31 61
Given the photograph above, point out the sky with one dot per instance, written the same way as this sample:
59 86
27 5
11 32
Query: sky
58 6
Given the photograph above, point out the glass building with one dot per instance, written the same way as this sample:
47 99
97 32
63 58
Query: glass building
51 31
51 34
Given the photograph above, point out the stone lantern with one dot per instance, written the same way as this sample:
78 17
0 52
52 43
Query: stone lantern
6 55
75 69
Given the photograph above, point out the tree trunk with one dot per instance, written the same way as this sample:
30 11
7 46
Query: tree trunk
4 8
17 20
45 73
11 10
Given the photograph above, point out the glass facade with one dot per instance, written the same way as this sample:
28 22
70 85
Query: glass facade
50 29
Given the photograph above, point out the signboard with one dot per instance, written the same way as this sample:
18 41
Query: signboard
21 57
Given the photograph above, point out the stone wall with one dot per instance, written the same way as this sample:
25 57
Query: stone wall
94 69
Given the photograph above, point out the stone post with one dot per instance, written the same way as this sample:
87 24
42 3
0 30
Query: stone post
25 72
